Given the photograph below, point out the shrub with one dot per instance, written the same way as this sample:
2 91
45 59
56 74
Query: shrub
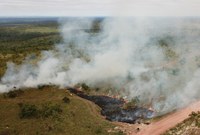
13 93
85 87
50 109
133 103
193 114
40 87
98 130
120 133
28 111
32 111
66 99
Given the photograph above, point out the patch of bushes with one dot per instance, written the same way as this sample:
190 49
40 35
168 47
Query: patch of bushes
194 118
28 111
66 100
50 109
98 130
44 111
43 86
120 133
13 93
133 103
40 87
84 87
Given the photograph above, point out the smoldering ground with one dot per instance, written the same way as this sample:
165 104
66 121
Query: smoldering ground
153 59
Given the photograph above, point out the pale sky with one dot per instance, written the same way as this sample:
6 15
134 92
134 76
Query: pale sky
99 7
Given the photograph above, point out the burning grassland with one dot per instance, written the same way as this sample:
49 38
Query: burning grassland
154 59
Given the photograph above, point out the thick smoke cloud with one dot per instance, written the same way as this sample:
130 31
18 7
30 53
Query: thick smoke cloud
153 59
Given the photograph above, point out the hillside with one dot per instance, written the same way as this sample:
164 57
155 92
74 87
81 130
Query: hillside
42 110
77 116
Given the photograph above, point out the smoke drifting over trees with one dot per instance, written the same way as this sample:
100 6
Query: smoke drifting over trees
154 59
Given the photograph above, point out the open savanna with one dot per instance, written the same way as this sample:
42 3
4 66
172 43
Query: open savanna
75 117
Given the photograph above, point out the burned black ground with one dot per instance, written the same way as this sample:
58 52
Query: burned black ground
112 108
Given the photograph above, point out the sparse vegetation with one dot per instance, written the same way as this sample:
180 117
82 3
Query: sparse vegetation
190 126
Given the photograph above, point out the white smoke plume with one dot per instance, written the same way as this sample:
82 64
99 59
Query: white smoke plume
154 59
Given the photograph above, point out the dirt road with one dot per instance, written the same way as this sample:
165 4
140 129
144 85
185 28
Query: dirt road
160 126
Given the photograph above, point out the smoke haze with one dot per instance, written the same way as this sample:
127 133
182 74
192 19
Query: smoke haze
154 59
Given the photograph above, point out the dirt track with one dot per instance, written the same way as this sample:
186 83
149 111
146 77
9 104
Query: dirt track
165 123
